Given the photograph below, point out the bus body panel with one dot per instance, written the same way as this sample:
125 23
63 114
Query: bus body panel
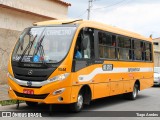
102 85
118 82
101 90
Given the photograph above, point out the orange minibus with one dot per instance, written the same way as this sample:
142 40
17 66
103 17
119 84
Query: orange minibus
77 61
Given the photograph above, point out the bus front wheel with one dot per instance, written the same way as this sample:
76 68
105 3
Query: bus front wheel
77 107
31 104
132 95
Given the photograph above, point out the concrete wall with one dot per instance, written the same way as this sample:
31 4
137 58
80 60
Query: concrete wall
156 47
157 59
44 7
7 41
156 52
11 25
13 21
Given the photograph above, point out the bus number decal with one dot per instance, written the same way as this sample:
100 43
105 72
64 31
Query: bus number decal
61 69
107 67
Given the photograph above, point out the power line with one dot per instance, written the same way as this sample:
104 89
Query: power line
118 6
90 3
88 10
96 0
82 14
110 5
123 5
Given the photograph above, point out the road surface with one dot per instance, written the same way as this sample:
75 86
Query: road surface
147 100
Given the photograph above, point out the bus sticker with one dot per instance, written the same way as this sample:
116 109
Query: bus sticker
107 67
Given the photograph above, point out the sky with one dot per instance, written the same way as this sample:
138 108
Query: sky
140 16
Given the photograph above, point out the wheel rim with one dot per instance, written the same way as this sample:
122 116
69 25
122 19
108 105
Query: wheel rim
80 101
135 92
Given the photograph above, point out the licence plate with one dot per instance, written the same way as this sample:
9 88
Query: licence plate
28 91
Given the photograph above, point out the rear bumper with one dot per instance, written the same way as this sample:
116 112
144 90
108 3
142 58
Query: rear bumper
156 82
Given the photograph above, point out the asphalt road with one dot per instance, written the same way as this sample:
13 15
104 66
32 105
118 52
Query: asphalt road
147 100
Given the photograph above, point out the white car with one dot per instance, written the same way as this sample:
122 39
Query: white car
157 76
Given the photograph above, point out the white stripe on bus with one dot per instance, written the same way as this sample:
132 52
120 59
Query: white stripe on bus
97 71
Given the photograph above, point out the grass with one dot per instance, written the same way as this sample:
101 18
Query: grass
9 102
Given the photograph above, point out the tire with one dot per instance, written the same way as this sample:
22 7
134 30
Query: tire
77 107
132 95
31 104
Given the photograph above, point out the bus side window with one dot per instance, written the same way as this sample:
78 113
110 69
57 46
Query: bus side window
78 50
143 50
124 48
87 50
85 45
107 45
137 50
148 52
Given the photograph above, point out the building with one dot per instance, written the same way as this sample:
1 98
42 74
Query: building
15 15
156 46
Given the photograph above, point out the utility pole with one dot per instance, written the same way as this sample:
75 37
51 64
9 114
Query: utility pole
89 8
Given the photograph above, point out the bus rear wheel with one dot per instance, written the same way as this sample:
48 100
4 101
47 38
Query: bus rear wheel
77 107
132 95
31 104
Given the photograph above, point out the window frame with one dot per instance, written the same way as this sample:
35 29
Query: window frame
115 47
97 49
118 48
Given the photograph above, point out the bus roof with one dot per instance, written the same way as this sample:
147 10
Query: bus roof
94 24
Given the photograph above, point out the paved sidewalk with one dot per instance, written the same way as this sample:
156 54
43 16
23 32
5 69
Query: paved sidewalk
4 92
